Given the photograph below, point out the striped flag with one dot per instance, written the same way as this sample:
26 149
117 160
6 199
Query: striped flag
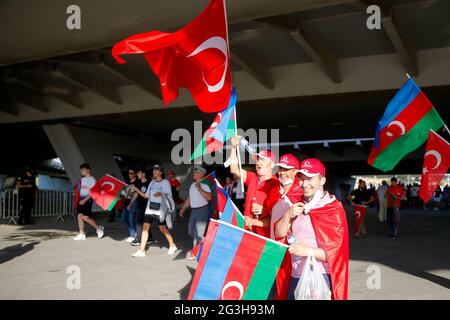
221 130
236 264
228 211
210 181
404 127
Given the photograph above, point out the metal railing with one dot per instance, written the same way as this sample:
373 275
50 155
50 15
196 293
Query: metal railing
48 203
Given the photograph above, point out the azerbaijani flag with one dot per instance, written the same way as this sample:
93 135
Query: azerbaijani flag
228 211
221 130
210 181
236 264
404 127
106 192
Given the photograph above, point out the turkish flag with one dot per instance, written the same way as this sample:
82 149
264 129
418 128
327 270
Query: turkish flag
196 57
106 192
359 214
435 164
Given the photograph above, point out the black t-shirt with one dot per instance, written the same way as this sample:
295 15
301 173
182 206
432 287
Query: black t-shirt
26 180
438 192
141 201
361 195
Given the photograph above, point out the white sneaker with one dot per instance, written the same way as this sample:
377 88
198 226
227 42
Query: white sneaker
139 254
129 239
172 250
100 232
79 237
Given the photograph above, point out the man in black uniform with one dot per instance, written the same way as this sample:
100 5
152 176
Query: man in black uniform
27 192
361 196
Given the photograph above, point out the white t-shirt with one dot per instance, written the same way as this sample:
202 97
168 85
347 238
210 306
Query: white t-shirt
162 186
86 184
196 199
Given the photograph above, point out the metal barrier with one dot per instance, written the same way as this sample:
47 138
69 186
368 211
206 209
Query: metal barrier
48 203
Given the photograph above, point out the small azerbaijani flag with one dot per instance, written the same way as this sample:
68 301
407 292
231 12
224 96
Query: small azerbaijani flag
210 181
227 209
221 130
236 264
404 127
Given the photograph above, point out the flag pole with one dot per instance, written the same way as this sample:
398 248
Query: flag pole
238 151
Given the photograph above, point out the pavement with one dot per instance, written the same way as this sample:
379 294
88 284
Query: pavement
41 261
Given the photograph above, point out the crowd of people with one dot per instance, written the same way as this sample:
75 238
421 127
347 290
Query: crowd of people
291 206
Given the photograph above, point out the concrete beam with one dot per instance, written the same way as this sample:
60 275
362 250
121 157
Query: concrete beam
251 63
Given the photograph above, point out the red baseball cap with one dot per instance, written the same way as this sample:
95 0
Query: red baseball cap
171 173
312 167
265 154
288 161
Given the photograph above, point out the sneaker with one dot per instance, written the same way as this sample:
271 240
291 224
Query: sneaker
139 254
129 239
100 232
150 241
191 258
79 237
135 243
172 250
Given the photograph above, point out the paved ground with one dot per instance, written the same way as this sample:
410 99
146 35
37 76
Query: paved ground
34 261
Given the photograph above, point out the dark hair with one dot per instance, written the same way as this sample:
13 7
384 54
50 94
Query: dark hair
85 166
132 168
144 171
394 179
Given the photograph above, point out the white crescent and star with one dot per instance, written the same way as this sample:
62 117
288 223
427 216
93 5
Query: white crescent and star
220 44
437 155
357 214
396 123
235 284
108 183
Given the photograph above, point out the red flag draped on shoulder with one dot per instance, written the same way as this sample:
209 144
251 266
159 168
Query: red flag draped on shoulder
435 165
331 229
195 57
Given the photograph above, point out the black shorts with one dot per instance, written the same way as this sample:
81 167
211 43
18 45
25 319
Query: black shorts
140 214
85 209
150 218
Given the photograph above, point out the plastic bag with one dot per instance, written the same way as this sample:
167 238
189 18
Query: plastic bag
312 284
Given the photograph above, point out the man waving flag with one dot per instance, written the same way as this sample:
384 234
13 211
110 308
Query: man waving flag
404 127
196 57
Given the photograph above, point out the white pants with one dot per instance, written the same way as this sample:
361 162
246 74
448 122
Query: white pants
382 211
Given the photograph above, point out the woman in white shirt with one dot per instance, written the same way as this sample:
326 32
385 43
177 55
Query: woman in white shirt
160 203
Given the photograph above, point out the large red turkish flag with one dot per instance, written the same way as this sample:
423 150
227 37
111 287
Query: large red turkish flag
435 165
197 57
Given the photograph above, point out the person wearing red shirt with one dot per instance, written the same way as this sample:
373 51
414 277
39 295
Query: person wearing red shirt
259 199
175 186
394 194
290 193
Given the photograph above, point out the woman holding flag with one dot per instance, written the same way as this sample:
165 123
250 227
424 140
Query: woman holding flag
159 203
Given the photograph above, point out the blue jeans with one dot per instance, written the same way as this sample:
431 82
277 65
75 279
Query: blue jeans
129 219
391 221
294 281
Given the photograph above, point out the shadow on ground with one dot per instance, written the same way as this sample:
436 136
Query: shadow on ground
423 244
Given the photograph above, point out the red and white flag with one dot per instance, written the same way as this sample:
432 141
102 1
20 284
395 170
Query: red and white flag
196 57
106 192
359 214
435 164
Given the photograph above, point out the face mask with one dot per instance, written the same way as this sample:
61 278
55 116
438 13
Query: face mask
287 182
